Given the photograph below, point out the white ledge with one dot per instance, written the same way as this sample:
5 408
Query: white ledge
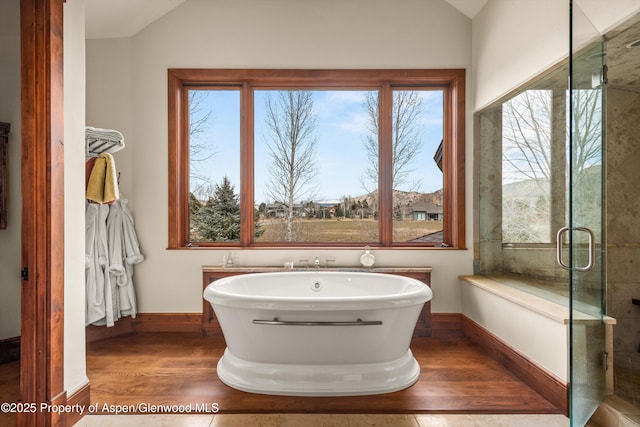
542 306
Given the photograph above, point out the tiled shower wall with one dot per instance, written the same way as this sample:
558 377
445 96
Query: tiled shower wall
537 262
623 237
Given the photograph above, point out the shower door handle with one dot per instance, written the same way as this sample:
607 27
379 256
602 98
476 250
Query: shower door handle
559 248
592 250
559 240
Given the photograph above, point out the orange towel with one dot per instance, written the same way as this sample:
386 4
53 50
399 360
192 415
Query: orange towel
102 186
111 192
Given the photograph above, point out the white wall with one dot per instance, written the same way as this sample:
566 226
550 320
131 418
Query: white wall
74 118
538 337
109 78
259 34
10 239
513 41
605 15
516 40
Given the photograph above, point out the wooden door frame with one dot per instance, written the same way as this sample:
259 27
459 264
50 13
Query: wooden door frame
42 329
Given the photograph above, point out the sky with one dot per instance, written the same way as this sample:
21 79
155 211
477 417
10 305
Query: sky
340 152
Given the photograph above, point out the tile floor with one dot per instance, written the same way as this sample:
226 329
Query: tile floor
324 420
616 412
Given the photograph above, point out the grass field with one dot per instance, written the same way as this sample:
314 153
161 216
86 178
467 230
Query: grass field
344 230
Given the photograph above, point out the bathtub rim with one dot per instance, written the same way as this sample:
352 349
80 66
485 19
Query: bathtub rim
418 294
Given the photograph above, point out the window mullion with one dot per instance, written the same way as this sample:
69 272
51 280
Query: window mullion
246 165
385 179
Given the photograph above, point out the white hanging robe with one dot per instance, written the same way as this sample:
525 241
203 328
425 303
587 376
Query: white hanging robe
112 249
124 252
96 258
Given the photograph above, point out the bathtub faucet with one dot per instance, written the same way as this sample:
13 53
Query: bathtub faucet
317 262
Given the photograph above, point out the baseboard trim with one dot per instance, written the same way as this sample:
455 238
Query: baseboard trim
446 325
443 324
9 350
81 397
121 327
147 322
535 376
167 322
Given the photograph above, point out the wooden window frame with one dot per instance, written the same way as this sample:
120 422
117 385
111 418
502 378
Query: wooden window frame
450 81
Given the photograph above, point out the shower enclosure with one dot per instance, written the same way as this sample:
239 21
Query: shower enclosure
542 175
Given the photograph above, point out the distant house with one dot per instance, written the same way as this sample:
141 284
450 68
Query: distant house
428 211
279 210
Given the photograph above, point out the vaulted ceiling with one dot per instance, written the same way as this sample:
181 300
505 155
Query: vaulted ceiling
124 18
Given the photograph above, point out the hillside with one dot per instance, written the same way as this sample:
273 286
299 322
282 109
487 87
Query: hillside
404 198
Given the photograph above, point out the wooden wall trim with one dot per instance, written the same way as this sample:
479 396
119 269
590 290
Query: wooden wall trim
97 333
42 294
537 377
445 325
82 398
9 350
167 322
147 322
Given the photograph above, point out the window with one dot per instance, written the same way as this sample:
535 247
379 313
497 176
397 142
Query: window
535 165
526 167
294 158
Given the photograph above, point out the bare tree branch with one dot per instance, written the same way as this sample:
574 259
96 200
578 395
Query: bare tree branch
291 122
199 151
406 137
527 149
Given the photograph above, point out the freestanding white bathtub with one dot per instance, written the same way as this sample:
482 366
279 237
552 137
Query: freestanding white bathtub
318 333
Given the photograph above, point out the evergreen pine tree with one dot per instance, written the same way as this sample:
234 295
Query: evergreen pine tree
218 219
194 209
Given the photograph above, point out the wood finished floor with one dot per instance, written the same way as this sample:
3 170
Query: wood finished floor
9 390
180 368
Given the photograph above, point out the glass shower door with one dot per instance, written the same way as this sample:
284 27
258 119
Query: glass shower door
585 231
